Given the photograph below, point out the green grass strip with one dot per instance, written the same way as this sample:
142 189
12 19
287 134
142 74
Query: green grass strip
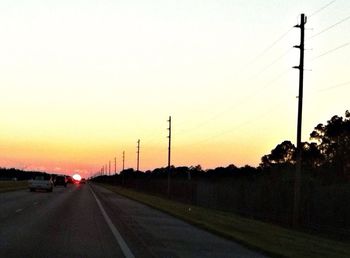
267 238
6 186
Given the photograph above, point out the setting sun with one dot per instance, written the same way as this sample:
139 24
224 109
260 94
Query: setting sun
77 177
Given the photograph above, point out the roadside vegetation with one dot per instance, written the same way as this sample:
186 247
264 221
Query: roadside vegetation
270 239
6 186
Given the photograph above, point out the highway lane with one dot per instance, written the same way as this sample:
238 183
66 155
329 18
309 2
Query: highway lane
70 223
64 223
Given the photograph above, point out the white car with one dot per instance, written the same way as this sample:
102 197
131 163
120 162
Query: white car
41 182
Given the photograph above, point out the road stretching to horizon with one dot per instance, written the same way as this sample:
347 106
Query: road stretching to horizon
91 221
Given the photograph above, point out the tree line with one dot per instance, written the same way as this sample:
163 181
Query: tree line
328 155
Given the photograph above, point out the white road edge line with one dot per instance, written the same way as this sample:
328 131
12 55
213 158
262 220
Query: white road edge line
125 249
19 210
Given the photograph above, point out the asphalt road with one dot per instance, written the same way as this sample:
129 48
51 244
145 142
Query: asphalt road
90 221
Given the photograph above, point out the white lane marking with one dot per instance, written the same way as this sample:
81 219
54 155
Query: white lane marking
19 210
125 249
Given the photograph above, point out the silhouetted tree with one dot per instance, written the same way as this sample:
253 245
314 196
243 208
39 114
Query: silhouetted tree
283 153
195 171
334 142
311 155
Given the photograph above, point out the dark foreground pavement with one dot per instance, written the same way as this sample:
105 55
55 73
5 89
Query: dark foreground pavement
91 221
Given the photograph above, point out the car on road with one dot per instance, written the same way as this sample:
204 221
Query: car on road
83 181
60 180
70 180
41 182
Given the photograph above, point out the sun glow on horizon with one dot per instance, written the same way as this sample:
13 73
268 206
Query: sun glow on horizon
77 177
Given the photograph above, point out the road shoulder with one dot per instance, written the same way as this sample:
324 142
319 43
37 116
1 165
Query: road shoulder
269 239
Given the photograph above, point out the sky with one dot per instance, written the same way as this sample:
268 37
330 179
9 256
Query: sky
82 81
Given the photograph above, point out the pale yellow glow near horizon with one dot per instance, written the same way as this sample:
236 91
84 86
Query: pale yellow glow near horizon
81 82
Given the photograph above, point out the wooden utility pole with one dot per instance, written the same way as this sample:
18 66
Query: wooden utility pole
115 165
138 155
297 184
123 160
123 179
169 154
109 168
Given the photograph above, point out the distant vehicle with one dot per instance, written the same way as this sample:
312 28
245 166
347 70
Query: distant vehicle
61 180
41 182
83 181
70 180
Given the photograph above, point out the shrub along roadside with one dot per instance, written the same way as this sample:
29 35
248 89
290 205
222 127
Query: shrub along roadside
6 186
264 237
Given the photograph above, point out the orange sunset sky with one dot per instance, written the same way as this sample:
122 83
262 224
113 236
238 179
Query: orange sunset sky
82 81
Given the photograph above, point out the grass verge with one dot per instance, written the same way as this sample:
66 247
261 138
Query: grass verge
6 186
267 238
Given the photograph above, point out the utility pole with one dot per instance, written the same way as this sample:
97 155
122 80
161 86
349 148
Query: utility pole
169 154
138 155
115 165
109 168
297 184
123 160
123 180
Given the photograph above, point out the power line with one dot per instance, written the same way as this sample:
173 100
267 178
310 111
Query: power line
243 124
338 85
332 50
330 27
271 45
273 62
255 92
238 105
282 36
153 138
256 118
322 8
